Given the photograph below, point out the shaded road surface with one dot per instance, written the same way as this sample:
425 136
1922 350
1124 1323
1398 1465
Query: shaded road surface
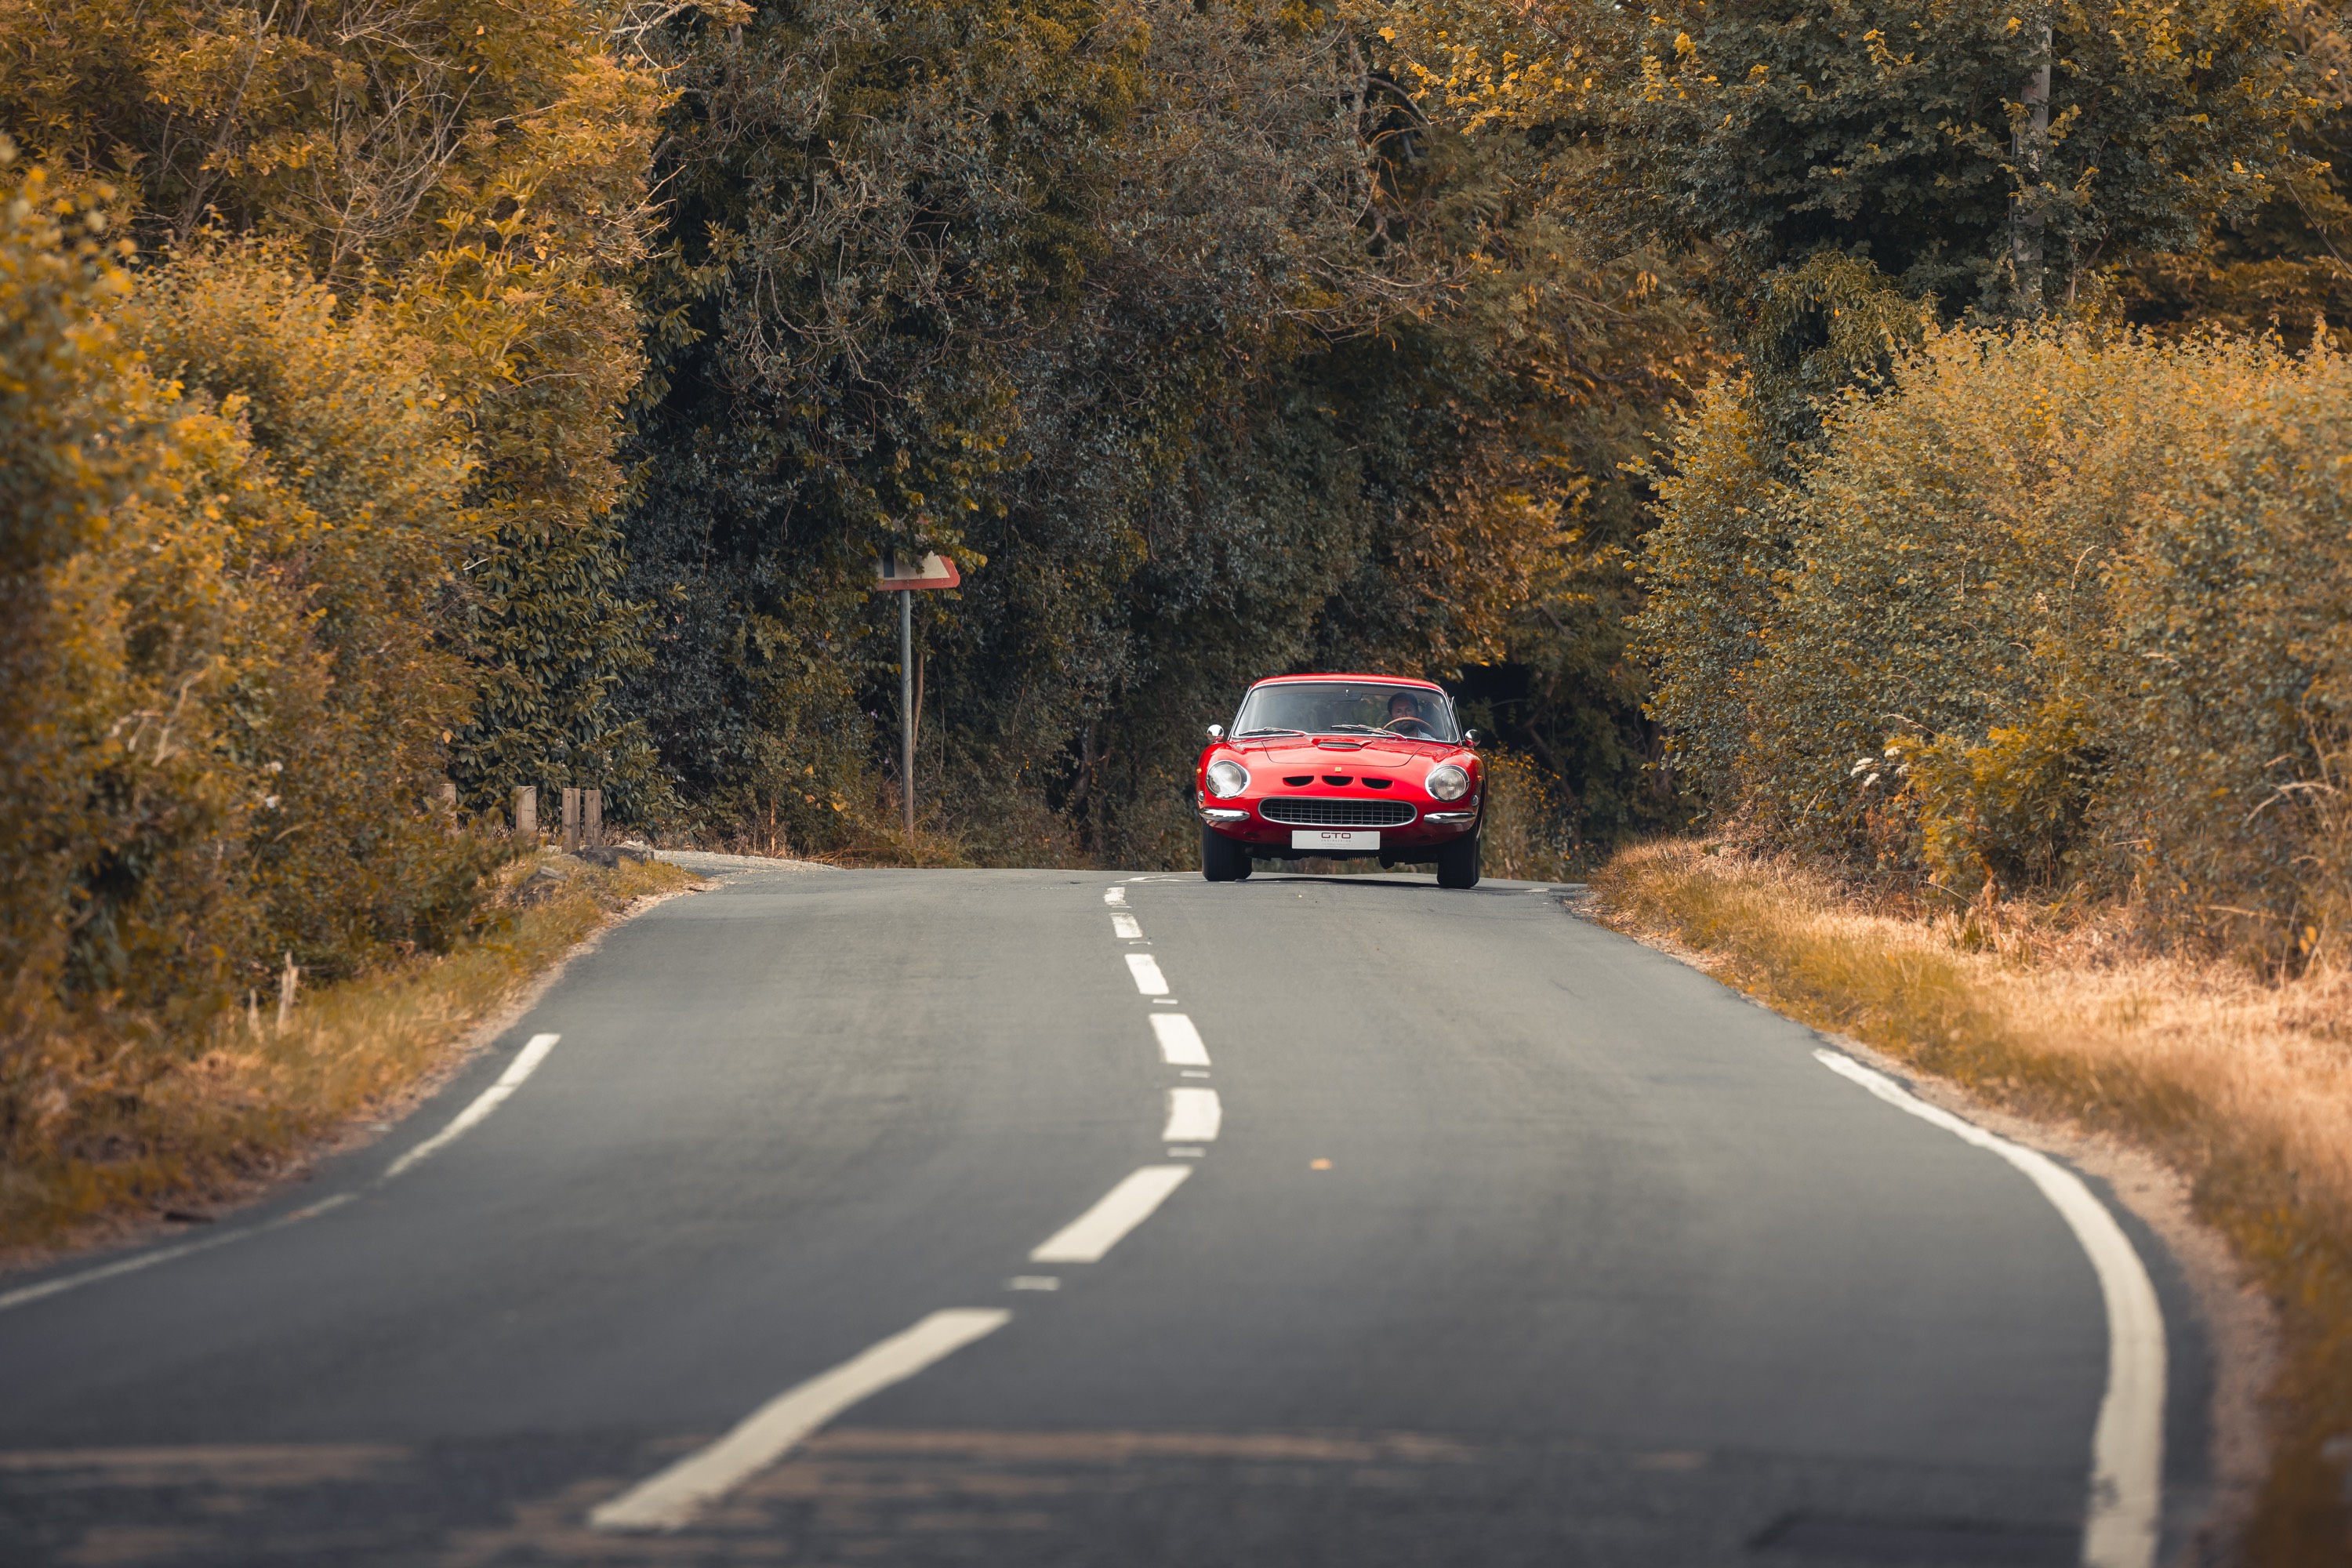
1480 1236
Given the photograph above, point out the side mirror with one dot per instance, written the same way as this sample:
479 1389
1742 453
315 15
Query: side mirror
1469 737
1216 732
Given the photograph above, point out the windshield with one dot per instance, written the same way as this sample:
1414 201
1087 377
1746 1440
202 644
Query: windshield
1347 708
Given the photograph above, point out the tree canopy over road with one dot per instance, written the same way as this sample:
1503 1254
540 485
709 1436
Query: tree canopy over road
411 391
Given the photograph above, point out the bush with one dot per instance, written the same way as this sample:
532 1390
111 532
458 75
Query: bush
222 696
1524 837
2054 609
2231 672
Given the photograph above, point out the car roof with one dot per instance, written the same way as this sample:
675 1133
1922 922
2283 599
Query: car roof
1383 679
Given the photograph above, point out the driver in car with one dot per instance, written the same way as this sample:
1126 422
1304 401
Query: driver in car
1404 716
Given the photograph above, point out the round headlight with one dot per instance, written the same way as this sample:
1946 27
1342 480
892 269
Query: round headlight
1227 778
1448 781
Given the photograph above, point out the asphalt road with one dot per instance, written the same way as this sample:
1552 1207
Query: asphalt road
1484 1238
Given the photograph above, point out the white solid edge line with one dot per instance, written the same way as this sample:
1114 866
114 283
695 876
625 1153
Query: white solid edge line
29 1293
1086 1239
1193 1116
1180 1042
2123 1519
526 1062
25 1294
671 1498
1147 978
1125 928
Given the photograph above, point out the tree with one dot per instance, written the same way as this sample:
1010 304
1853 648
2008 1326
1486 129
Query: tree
478 166
2290 260
1921 139
1207 355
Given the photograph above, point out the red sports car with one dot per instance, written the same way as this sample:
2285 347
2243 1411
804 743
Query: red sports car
1344 768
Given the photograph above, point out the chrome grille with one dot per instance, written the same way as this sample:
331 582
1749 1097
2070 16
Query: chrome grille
1301 811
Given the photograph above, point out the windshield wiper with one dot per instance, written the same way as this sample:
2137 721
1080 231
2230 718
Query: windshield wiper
1251 734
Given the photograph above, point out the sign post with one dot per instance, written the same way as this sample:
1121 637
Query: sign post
905 575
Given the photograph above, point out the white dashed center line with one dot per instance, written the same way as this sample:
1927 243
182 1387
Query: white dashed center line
1180 1042
1115 896
1193 1116
1086 1239
1146 969
1124 928
671 1499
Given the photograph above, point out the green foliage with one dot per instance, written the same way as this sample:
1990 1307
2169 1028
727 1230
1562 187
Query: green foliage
2009 808
1892 134
2054 610
1897 135
221 692
479 169
1711 569
343 411
2231 671
2282 264
1524 836
1200 379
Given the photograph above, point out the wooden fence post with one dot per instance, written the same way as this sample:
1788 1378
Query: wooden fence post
571 821
526 809
592 815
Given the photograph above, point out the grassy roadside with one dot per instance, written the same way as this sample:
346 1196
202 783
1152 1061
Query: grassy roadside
2242 1085
244 1103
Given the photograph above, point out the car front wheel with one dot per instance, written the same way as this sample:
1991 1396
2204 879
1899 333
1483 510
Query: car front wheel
1221 859
1457 863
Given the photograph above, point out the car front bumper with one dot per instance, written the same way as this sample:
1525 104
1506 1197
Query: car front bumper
1239 820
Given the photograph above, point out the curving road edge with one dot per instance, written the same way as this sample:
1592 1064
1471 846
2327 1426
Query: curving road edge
2121 1521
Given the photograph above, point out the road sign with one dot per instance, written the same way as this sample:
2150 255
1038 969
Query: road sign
903 573
900 571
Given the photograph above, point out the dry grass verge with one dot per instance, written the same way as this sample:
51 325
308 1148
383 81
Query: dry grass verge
240 1107
2242 1085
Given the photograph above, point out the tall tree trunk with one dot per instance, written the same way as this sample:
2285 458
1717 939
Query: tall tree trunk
2031 144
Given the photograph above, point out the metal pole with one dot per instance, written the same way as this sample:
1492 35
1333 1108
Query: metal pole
907 700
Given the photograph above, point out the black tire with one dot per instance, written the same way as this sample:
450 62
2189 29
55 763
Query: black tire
1457 863
1221 859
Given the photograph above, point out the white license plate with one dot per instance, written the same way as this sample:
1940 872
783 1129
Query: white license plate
1334 838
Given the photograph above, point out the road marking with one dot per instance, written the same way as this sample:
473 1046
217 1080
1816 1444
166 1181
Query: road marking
526 1063
1193 1115
29 1293
26 1295
1187 1152
1086 1239
1032 1282
1115 895
2120 1524
1179 1043
1192 1072
1125 928
670 1499
1146 969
